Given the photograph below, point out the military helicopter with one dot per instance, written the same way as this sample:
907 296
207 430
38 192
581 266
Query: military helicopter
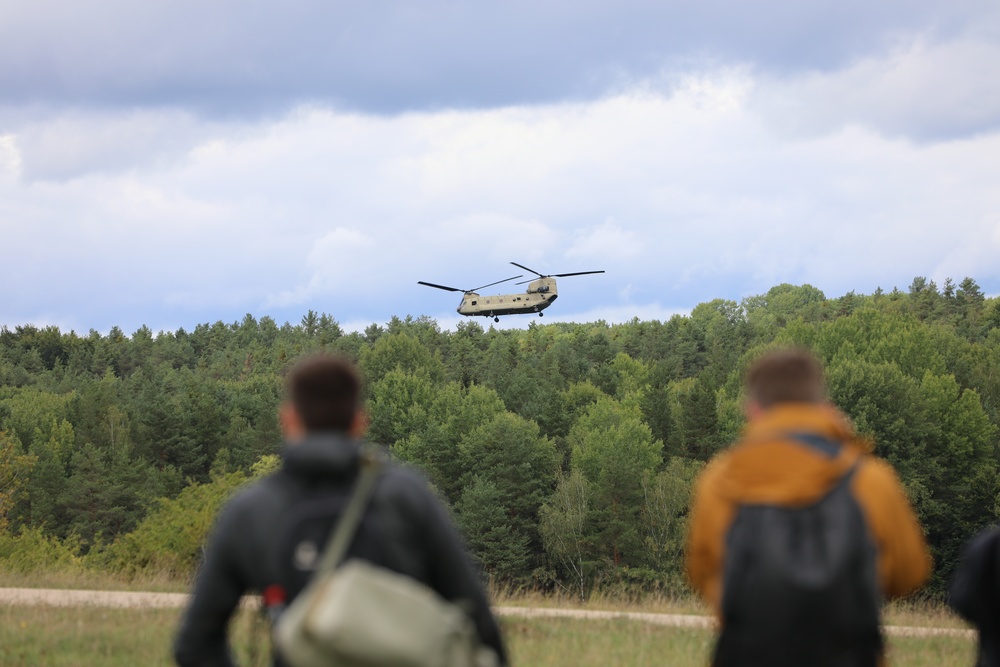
540 294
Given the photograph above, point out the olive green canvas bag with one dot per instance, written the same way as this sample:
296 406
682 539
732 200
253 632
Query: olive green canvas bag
363 615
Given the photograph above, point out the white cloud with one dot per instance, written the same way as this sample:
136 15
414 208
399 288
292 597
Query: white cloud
338 262
65 145
605 241
680 196
976 258
467 240
10 159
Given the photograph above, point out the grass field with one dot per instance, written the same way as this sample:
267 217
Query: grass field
71 637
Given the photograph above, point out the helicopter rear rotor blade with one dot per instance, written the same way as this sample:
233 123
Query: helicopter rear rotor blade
577 273
449 289
476 289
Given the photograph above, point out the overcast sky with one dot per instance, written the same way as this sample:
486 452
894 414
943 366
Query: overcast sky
175 162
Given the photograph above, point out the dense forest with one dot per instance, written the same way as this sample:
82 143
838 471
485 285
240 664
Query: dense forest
565 451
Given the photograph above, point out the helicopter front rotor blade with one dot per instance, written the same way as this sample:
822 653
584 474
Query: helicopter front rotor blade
578 273
527 269
449 289
476 289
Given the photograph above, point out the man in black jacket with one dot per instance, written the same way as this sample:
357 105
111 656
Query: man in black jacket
405 528
975 594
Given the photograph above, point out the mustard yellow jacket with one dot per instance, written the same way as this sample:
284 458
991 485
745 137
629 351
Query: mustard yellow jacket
765 466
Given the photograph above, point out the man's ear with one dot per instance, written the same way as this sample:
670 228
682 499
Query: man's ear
359 426
291 423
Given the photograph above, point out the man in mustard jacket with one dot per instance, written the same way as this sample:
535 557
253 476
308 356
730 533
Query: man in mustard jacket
797 530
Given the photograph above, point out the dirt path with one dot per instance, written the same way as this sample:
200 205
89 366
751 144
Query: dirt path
706 622
113 599
131 600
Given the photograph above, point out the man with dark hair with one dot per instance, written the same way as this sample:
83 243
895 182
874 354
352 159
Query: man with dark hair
796 532
788 376
323 394
405 529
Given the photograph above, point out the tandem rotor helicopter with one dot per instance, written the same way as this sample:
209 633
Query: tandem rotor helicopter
540 294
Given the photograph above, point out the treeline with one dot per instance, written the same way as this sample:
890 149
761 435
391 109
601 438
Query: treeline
566 451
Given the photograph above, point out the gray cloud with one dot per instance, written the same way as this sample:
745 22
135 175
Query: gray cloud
923 91
250 58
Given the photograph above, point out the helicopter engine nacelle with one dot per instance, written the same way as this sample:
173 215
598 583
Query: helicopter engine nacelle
541 286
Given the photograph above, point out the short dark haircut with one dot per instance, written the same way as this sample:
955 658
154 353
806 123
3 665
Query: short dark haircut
325 392
792 375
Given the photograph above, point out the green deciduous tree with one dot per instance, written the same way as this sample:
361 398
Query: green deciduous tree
399 352
565 528
613 449
666 497
25 410
15 470
399 406
453 413
171 537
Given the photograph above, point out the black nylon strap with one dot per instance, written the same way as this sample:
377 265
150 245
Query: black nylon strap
827 446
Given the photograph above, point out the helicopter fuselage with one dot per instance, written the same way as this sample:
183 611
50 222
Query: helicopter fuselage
539 296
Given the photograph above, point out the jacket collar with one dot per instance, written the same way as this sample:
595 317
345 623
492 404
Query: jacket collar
821 419
321 454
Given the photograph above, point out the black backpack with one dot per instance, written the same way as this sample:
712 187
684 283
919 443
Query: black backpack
800 583
307 524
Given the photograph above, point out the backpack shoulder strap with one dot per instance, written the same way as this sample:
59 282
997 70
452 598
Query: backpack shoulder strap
828 447
336 547
823 445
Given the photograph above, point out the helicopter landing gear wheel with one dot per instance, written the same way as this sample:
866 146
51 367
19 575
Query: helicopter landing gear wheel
541 314
496 319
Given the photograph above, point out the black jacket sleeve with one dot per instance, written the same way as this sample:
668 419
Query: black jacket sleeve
453 576
201 640
975 593
973 590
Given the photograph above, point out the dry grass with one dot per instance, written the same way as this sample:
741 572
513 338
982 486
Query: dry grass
87 636
92 580
68 637
909 612
921 614
564 642
71 637
655 603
